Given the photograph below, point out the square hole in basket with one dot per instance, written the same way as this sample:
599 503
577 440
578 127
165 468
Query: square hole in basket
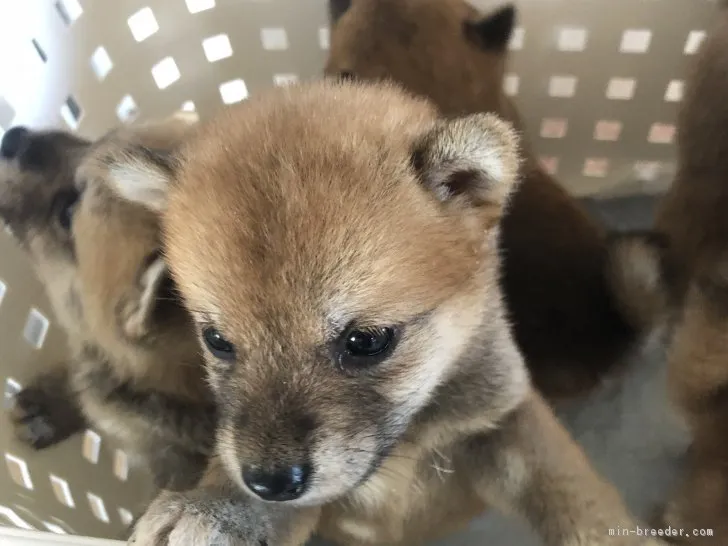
71 113
233 91
635 41
68 10
143 24
188 106
554 128
607 130
694 41
36 328
53 528
282 80
12 517
127 109
274 39
661 133
121 465
91 446
324 36
562 86
18 470
549 164
675 90
98 508
12 388
39 50
647 171
518 39
165 73
621 88
125 516
196 6
217 47
596 167
572 39
7 113
511 84
62 491
101 63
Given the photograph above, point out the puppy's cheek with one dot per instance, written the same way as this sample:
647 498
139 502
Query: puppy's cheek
341 462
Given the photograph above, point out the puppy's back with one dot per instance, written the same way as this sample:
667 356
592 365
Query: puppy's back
693 213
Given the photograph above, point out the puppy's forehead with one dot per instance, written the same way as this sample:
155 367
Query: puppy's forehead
310 207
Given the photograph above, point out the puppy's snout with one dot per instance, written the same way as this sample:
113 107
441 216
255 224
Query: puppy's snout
13 142
277 485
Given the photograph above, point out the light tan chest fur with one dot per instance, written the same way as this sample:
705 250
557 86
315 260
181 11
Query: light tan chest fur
414 497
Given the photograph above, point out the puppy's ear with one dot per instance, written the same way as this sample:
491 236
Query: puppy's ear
142 175
337 8
493 32
137 312
471 162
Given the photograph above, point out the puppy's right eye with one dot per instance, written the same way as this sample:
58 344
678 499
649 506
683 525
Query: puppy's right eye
219 346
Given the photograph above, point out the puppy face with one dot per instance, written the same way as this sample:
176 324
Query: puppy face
97 255
441 49
37 190
38 199
337 246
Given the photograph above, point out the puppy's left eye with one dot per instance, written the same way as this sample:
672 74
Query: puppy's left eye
219 346
65 207
364 347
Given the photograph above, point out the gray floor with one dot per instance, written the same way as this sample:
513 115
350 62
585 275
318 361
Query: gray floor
627 428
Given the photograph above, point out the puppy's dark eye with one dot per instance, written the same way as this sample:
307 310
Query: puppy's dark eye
219 346
364 347
347 76
65 207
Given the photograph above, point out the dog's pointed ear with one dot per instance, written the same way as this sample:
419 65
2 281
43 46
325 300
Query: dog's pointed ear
493 32
470 162
141 172
337 8
137 313
142 175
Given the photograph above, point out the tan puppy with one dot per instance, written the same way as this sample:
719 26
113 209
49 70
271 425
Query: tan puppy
693 215
565 317
338 248
135 369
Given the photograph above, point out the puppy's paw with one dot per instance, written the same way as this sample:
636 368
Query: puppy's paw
42 418
195 519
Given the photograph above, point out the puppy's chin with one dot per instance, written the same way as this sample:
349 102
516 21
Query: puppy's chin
341 463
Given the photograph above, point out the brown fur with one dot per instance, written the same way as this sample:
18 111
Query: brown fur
312 210
134 370
693 217
566 318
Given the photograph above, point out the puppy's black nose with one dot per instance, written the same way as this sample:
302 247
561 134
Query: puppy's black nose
277 485
13 141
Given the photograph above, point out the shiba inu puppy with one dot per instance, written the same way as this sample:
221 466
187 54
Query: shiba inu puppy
338 248
134 371
567 317
696 291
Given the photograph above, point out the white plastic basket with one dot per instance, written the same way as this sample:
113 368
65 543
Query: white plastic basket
597 82
18 537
